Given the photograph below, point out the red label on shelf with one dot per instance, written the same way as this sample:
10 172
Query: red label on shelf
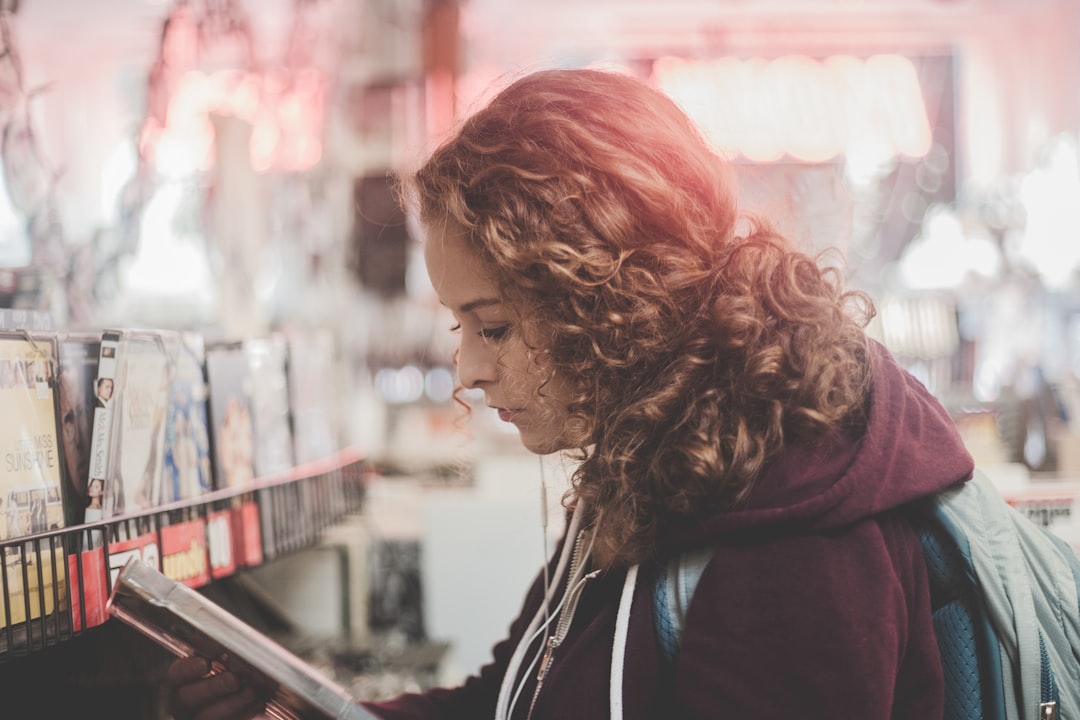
94 592
184 553
248 534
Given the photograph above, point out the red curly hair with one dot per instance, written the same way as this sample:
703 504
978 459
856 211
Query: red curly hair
605 219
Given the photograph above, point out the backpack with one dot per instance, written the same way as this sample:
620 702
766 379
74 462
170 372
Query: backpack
1005 594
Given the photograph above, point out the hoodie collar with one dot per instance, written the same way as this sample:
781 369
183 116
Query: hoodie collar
911 449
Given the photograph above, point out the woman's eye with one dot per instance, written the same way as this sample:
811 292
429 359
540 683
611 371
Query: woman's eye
456 327
495 333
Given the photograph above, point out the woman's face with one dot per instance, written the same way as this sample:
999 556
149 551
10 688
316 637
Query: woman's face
492 354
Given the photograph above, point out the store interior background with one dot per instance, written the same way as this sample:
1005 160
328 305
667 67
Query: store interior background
237 185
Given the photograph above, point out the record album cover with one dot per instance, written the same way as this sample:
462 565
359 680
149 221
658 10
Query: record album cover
138 405
270 405
79 354
232 427
31 476
187 623
101 428
188 471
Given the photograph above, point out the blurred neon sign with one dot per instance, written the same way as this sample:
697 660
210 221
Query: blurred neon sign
810 110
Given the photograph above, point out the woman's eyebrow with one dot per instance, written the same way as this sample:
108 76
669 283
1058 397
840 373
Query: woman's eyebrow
474 304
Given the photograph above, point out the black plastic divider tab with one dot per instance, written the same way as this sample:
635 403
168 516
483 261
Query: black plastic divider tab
9 645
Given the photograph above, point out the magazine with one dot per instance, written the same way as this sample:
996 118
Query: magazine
187 623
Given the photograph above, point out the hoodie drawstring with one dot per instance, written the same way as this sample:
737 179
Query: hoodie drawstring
618 649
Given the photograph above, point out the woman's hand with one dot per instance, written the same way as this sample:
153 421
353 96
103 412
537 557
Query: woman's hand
197 694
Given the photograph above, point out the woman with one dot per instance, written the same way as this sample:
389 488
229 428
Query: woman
718 390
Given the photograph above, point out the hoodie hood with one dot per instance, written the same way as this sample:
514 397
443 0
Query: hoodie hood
911 449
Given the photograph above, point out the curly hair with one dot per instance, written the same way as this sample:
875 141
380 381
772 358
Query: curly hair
695 355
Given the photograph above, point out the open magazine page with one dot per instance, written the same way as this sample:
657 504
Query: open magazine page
187 623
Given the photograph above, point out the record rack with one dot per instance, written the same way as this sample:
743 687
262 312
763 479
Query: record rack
54 584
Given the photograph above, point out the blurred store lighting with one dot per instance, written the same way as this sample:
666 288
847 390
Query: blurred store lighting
171 262
439 384
15 250
120 168
944 255
1050 195
811 110
398 386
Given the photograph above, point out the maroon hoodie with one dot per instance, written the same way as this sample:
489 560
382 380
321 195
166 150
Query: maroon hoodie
815 604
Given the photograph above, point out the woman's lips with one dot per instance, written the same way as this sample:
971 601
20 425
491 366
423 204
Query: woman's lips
508 415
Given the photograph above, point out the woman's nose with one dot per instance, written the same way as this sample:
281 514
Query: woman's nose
476 362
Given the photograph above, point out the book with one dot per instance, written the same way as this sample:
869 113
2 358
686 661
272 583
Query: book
188 470
134 373
187 623
31 476
78 370
232 429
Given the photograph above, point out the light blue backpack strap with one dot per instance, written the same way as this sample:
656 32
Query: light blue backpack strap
1029 583
672 592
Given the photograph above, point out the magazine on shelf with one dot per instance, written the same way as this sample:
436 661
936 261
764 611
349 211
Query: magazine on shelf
187 623
134 371
79 354
232 428
188 471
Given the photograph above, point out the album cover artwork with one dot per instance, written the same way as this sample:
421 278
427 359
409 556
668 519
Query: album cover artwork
186 623
188 469
138 405
267 357
31 476
232 427
79 354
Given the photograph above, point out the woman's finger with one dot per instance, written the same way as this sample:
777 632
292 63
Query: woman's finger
186 670
216 689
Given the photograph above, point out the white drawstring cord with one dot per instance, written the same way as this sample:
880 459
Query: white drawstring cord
618 649
502 705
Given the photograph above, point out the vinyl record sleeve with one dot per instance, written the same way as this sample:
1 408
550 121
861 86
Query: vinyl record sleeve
79 354
267 357
188 470
128 443
228 375
31 475
187 623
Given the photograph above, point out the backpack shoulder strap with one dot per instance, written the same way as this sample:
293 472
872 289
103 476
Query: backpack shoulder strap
1028 581
675 584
